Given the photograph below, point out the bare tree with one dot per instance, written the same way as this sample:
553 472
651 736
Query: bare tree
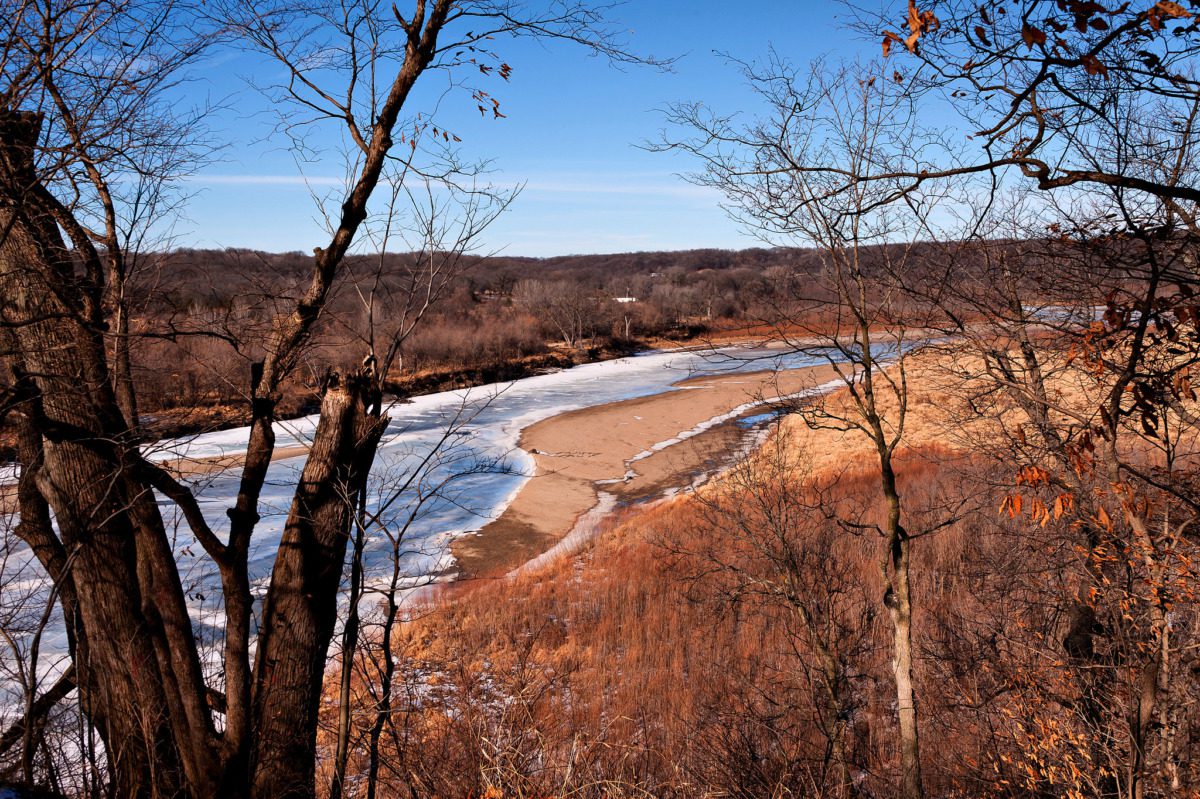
108 552
393 310
790 175
403 497
37 682
1042 88
1092 105
1079 355
778 553
568 309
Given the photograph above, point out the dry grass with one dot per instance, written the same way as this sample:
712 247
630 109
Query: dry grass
667 660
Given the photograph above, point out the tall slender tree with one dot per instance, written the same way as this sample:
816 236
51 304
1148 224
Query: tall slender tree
788 175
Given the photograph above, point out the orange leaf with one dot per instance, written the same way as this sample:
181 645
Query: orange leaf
888 38
1169 9
919 23
1032 36
914 17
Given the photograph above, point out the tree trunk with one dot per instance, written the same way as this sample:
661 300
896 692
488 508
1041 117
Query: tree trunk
129 602
300 612
122 368
899 604
898 599
349 650
383 710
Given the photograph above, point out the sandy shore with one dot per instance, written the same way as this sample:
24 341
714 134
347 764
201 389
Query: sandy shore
609 448
195 467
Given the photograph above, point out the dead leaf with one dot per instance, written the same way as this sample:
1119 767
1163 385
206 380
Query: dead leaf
1032 36
919 23
1093 66
888 38
1169 9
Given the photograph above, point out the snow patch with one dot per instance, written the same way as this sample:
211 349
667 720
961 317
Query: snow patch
708 424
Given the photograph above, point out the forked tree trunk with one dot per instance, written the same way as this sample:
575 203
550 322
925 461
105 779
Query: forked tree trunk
140 670
301 610
111 557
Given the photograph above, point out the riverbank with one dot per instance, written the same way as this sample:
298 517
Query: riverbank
628 451
178 422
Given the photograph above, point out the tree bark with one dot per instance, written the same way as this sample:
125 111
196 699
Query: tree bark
349 650
898 599
129 602
300 612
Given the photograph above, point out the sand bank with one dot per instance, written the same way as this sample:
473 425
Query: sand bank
631 450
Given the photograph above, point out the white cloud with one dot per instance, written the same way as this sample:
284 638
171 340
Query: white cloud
637 185
266 180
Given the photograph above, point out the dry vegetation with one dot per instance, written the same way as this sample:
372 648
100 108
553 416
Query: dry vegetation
198 320
731 643
971 572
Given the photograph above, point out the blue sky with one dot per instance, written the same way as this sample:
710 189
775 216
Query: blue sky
571 134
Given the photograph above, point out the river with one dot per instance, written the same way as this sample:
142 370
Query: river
447 465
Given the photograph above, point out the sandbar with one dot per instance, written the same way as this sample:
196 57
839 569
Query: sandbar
580 453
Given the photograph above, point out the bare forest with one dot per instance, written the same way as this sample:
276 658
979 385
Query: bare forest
952 548
499 319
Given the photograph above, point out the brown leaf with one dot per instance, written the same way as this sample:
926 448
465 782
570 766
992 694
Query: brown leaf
919 23
1093 65
930 21
981 35
1169 9
888 38
914 17
1032 36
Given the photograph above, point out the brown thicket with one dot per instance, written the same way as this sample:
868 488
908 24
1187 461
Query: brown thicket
732 644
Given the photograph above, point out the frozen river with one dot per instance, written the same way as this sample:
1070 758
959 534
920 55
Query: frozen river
449 462
447 465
